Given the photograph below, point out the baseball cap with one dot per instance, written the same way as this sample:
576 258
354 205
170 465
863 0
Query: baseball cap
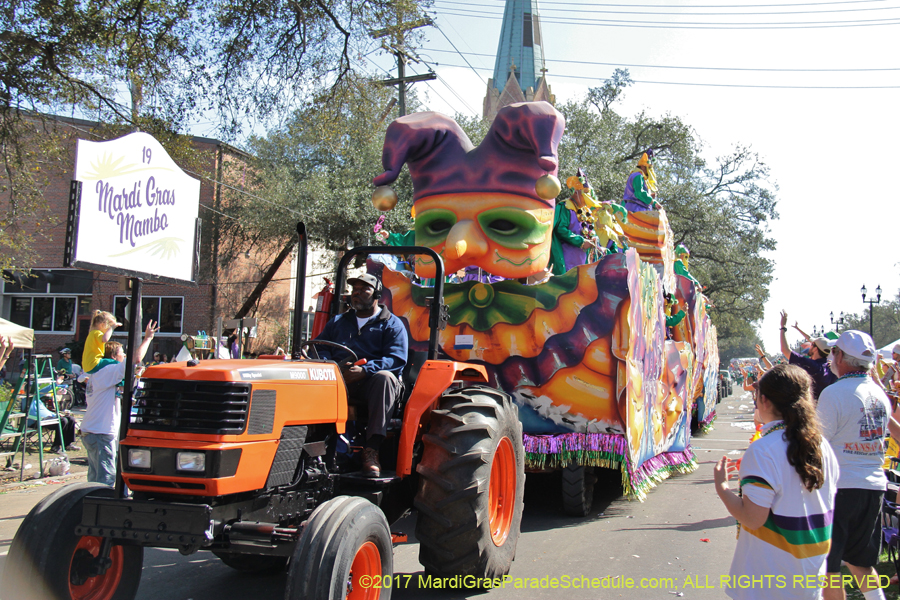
368 279
823 344
896 349
856 344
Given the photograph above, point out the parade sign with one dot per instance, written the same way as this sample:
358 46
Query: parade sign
133 211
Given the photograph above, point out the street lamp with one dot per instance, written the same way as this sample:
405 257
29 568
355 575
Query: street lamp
871 303
840 321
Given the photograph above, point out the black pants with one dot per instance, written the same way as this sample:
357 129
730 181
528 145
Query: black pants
380 392
68 431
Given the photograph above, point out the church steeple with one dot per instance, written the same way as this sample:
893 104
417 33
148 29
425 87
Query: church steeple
519 68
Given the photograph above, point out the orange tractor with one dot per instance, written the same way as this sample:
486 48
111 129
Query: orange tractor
258 461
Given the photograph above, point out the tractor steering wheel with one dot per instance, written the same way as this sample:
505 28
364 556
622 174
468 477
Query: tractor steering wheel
307 343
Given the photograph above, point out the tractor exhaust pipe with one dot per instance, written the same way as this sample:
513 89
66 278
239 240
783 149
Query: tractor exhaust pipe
299 292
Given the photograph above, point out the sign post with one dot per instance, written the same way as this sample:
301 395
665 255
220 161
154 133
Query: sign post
134 213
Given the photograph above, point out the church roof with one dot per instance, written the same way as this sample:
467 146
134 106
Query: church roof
520 45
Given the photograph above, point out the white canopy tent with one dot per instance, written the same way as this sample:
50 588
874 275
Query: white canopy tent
22 337
886 351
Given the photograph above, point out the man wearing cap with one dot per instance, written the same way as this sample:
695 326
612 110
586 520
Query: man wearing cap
65 361
816 364
379 337
855 415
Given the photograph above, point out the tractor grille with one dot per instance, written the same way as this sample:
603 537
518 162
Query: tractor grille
191 406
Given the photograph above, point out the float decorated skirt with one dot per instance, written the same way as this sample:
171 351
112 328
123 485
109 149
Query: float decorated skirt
585 357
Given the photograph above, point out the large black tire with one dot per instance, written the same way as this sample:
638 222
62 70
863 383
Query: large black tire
258 564
578 490
463 459
335 553
45 553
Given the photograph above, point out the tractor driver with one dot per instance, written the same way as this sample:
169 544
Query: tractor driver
378 336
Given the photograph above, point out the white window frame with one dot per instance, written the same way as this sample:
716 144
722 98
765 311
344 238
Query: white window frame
124 332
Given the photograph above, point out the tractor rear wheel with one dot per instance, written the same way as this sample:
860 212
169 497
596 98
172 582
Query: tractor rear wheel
578 490
344 551
48 561
254 563
471 487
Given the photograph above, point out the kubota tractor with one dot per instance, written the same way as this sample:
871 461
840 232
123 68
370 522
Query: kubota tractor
257 461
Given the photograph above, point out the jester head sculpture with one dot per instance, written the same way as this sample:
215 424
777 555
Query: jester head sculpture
480 206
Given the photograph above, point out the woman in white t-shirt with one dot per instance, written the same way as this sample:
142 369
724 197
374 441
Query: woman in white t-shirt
788 479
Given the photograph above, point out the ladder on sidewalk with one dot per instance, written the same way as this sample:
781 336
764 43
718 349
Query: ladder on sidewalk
15 415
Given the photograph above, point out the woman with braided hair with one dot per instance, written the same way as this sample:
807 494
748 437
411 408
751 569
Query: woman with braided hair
785 504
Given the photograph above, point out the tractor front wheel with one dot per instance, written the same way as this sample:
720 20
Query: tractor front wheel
48 561
344 551
471 487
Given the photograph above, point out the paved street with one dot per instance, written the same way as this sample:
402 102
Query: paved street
621 540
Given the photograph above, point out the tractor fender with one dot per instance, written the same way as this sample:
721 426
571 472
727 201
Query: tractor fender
435 377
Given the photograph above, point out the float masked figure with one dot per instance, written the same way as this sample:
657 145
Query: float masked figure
640 188
478 206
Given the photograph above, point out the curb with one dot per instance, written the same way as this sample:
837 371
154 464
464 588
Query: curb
16 485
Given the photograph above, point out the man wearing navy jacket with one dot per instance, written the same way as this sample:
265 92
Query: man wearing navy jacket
378 336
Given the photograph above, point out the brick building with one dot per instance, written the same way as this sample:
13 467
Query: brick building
57 302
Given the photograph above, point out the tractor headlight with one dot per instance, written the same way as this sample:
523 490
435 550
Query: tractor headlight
139 458
191 461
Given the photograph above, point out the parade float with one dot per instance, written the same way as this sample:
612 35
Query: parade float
569 306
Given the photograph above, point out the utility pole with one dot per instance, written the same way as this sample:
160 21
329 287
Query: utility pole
402 57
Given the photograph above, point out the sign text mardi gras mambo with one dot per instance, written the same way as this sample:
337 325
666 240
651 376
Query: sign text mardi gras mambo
118 204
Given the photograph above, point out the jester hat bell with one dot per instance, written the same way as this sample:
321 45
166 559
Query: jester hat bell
520 148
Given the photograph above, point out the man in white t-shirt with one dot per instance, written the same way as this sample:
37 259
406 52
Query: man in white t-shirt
100 427
856 415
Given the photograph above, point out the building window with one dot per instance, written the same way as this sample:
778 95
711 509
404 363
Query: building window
36 299
165 310
44 313
49 281
527 31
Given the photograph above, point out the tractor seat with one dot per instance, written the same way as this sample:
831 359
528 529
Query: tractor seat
359 410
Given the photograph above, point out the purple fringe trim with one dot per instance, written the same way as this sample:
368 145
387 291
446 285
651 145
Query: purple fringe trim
708 419
610 451
666 461
573 442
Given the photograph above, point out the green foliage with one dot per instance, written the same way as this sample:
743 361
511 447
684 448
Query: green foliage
157 65
319 167
737 347
885 321
720 211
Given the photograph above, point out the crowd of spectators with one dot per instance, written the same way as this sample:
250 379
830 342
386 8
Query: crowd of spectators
834 403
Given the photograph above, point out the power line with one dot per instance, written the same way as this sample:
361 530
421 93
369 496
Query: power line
729 85
454 92
578 4
692 25
634 66
436 26
427 83
461 37
583 9
460 98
